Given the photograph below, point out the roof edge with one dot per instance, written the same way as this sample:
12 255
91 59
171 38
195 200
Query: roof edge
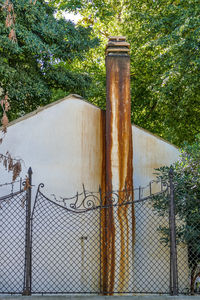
157 136
41 108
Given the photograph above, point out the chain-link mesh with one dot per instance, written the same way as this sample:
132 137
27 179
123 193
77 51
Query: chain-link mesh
65 249
115 249
12 241
186 229
151 257
84 246
188 241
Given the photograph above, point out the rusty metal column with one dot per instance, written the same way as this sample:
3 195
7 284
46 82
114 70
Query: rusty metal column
119 166
119 160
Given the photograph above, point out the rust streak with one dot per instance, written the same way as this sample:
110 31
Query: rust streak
103 215
110 229
125 165
103 149
119 168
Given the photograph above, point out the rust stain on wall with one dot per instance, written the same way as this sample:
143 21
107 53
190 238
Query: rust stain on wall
89 148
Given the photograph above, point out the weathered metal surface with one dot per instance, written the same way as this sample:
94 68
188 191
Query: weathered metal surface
117 44
103 149
103 237
119 154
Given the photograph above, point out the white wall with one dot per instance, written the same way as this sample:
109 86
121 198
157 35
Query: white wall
150 152
63 144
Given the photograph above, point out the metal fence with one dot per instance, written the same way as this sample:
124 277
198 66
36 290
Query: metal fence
13 208
96 243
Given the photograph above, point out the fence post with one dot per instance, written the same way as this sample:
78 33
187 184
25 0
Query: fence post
27 271
172 228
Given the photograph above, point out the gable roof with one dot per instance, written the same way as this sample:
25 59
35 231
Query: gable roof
41 108
75 96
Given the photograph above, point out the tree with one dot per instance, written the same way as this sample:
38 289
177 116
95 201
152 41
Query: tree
102 17
187 201
38 61
165 59
167 63
35 48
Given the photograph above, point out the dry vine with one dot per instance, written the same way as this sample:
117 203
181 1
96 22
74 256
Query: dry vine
8 162
9 23
10 20
34 2
11 164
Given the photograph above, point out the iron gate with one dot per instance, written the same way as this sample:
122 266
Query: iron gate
63 247
67 247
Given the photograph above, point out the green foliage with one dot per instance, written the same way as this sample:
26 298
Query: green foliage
104 18
165 59
166 63
187 200
56 55
40 60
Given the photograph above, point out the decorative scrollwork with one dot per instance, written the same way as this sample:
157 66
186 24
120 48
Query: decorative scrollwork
40 186
87 200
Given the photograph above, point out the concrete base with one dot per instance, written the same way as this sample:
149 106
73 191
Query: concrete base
97 297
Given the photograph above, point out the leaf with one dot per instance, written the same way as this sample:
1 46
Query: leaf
9 20
2 103
5 162
4 120
12 36
16 170
27 184
10 164
7 106
10 7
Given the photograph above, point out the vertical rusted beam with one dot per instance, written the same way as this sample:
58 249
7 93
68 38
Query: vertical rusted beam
119 156
119 167
102 200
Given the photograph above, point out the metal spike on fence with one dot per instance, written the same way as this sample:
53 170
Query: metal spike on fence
100 195
139 192
150 188
84 192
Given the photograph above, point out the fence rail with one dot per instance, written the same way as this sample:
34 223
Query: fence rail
94 242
